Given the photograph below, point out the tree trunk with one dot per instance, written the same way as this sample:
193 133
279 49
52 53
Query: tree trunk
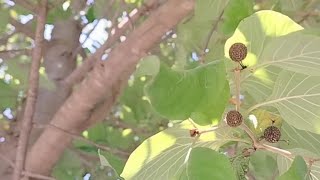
102 85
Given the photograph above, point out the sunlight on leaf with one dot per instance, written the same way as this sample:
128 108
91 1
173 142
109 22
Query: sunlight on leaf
164 156
258 82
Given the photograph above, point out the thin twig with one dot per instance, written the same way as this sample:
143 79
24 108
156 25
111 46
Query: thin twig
237 77
118 123
32 93
27 5
7 54
214 27
119 152
23 28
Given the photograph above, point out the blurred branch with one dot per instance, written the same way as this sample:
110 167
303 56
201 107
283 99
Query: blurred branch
23 28
32 93
25 173
115 151
206 44
4 39
78 74
54 4
118 123
307 15
7 54
27 5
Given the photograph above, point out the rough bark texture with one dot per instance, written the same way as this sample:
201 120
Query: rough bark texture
102 85
58 64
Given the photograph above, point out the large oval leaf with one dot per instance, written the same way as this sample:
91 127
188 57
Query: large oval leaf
200 93
165 156
297 98
298 52
256 32
300 139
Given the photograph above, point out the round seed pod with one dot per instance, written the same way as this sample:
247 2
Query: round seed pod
234 118
238 52
272 134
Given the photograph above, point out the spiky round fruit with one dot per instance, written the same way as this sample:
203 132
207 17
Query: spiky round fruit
238 52
234 118
272 134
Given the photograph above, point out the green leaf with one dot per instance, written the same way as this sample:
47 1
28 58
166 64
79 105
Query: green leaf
284 163
69 167
149 66
240 165
300 139
90 15
57 14
135 105
291 5
297 171
263 165
263 120
259 81
296 52
297 98
267 25
193 33
200 93
164 156
207 164
4 19
234 13
8 95
105 163
209 10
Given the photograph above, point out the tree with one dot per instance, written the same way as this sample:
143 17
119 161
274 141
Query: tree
189 89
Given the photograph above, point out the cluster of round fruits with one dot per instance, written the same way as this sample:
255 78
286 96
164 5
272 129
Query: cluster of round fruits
271 134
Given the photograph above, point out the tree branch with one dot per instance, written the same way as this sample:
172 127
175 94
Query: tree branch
32 93
214 27
27 5
7 54
104 82
79 74
23 28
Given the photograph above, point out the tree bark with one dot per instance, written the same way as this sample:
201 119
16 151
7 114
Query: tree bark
103 84
32 93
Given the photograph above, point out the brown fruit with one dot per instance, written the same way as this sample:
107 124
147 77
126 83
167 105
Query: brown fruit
234 118
272 134
238 52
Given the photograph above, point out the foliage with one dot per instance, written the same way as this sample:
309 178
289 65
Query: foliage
187 84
